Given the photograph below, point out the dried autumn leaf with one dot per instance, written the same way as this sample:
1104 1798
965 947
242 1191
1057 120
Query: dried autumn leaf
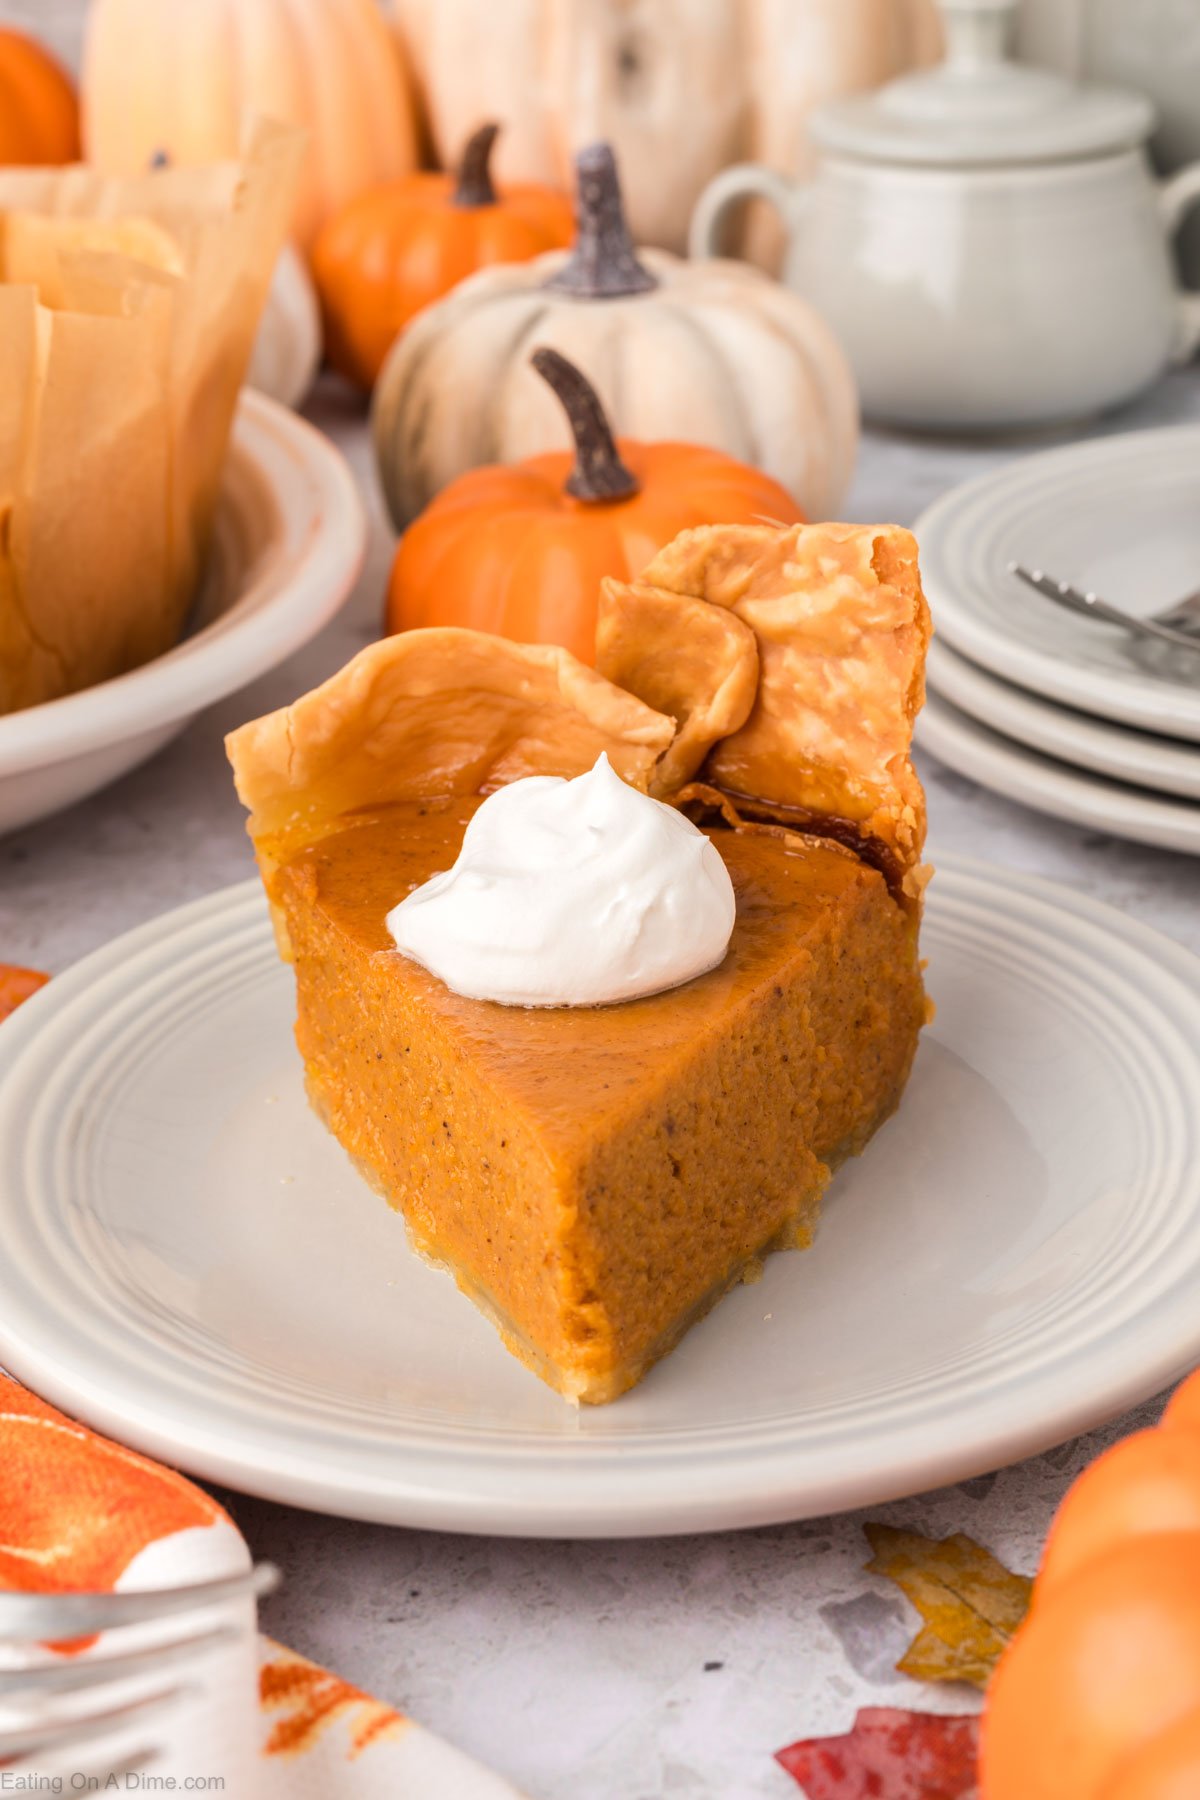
971 1604
18 985
889 1755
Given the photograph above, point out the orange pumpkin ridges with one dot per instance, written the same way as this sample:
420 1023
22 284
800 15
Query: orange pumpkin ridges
39 111
1098 1697
395 249
521 550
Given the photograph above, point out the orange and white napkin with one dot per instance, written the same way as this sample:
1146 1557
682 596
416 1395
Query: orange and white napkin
78 1513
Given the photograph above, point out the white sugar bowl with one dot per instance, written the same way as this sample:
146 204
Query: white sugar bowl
989 241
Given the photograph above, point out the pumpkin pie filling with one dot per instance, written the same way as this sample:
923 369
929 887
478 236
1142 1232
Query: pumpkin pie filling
597 1177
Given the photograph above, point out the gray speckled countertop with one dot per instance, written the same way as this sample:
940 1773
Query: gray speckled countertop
585 1671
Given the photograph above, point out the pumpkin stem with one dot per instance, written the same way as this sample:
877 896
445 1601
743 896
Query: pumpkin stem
475 170
604 264
599 474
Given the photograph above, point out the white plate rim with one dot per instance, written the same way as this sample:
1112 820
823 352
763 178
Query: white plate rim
1135 699
1163 766
738 1489
310 574
1061 791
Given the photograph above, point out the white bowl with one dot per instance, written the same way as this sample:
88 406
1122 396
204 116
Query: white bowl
289 543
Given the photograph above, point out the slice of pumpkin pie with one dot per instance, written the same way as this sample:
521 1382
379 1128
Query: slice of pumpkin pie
602 972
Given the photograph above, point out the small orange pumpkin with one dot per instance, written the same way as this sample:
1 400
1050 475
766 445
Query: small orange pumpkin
399 247
520 550
39 111
18 985
1098 1697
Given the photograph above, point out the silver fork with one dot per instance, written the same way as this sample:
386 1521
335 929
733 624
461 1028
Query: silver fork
107 1708
1184 615
1092 606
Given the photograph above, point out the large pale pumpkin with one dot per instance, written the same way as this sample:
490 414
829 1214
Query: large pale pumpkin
679 87
161 77
708 353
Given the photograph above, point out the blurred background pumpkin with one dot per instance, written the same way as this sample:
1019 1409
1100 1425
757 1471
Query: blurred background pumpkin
709 353
287 350
680 88
521 550
1098 1697
39 113
396 248
159 76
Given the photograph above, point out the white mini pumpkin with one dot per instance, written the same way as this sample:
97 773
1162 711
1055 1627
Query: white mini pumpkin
287 350
709 353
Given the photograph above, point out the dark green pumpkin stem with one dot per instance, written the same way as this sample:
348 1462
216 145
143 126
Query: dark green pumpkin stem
475 170
599 474
603 264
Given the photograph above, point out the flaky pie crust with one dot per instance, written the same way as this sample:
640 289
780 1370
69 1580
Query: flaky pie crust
775 671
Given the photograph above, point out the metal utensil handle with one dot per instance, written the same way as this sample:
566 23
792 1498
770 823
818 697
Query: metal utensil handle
1094 607
38 1617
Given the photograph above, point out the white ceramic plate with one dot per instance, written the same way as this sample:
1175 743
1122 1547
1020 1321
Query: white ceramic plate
962 743
1120 515
191 1264
289 542
1164 765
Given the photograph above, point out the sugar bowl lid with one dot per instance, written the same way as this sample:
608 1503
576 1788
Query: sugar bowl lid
980 108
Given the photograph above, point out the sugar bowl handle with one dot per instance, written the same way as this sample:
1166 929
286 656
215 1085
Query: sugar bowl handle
1176 198
743 181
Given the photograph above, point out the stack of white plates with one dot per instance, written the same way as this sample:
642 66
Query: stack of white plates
1078 719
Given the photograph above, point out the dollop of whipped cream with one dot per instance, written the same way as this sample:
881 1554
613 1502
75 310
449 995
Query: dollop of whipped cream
571 893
